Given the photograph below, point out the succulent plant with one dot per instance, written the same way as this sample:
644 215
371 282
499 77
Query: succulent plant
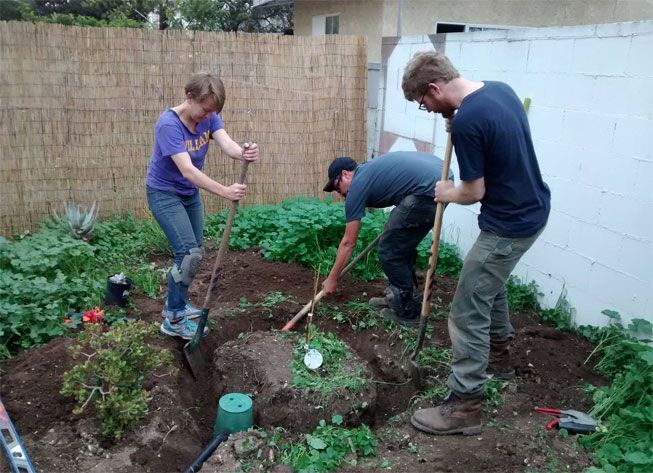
79 221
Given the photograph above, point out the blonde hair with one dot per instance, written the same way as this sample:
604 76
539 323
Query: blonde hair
423 69
204 85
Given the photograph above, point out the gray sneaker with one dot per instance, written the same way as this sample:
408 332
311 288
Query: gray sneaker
183 328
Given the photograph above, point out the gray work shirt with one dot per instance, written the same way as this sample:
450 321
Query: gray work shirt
386 180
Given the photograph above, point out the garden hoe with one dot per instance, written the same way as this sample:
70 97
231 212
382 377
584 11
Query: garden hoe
309 306
313 358
192 350
415 373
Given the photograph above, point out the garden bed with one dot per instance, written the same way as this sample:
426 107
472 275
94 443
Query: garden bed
257 297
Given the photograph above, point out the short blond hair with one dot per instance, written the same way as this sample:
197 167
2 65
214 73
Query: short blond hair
203 86
423 69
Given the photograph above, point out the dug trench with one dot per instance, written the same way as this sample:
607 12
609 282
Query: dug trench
255 299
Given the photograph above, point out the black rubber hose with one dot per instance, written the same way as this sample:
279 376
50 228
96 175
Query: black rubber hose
207 452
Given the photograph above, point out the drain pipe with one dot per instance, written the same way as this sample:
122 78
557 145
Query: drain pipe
207 452
400 9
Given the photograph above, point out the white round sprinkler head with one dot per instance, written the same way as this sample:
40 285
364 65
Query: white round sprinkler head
313 359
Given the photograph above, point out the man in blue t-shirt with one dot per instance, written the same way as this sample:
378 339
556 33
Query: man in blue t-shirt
406 180
499 169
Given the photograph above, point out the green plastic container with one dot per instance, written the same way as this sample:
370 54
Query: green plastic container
234 413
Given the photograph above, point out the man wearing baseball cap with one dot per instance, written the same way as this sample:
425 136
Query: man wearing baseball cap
405 179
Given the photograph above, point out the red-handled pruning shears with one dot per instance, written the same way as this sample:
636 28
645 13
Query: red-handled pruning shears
573 421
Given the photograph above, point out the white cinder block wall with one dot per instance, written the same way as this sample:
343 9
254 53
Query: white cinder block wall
591 118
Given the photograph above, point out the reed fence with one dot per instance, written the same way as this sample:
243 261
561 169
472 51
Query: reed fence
78 107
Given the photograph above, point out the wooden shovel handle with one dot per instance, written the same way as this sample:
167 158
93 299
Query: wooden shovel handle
435 246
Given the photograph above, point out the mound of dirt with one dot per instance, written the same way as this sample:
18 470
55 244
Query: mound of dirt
259 365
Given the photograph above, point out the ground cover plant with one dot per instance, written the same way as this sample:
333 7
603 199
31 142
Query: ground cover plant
328 447
624 441
48 274
333 376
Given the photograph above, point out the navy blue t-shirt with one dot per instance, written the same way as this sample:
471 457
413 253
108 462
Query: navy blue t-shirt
386 180
492 140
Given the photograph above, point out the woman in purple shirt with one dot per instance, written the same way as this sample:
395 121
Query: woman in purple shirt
174 176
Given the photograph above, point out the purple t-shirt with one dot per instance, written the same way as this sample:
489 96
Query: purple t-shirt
172 137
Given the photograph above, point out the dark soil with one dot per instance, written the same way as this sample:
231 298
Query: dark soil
550 372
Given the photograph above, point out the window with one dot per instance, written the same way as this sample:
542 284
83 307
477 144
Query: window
449 28
332 24
462 27
326 24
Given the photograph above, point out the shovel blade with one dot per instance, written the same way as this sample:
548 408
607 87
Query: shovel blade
192 350
195 360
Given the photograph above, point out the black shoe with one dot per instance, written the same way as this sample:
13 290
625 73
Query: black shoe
390 314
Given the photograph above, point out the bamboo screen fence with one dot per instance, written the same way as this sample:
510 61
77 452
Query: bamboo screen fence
78 107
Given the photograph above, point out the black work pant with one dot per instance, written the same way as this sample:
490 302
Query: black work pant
408 224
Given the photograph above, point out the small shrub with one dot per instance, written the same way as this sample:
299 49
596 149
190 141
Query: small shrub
110 373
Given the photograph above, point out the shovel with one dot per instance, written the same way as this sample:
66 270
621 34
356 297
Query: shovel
291 323
415 373
192 351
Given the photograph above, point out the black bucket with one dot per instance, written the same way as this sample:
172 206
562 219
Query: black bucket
117 293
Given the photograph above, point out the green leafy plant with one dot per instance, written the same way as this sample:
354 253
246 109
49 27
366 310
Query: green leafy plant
561 316
624 440
110 373
42 277
329 447
359 315
48 274
307 231
80 221
522 297
333 375
272 299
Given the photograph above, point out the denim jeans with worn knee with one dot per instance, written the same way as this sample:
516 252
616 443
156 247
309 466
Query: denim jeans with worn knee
479 311
182 220
408 224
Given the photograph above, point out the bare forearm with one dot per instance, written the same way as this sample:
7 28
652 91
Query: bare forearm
345 250
459 195
232 149
466 193
203 181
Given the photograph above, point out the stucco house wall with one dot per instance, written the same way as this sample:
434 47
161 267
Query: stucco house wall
377 19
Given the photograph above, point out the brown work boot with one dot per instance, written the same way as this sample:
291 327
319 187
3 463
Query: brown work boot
453 416
499 365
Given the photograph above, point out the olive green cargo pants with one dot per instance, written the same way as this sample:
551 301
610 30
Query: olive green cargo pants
479 311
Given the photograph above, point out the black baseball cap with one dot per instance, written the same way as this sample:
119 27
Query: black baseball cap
343 163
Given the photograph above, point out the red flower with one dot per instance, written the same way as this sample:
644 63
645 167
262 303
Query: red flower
93 316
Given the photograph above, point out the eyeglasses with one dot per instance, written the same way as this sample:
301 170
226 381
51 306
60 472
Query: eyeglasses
422 105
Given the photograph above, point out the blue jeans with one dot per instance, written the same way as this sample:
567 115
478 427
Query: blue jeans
182 220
